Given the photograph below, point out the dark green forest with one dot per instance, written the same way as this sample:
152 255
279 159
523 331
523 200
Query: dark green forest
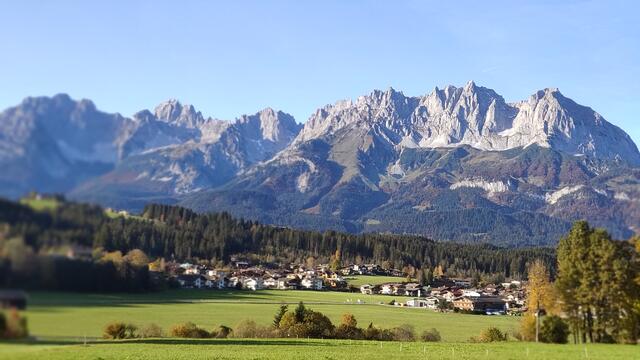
178 233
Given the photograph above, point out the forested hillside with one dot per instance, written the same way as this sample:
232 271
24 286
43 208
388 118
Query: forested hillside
181 234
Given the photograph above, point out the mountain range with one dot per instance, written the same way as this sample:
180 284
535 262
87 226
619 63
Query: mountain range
459 163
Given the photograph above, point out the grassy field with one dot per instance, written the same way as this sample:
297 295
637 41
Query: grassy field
44 204
358 280
283 349
53 315
60 322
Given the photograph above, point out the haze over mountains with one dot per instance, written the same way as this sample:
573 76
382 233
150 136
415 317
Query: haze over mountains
456 164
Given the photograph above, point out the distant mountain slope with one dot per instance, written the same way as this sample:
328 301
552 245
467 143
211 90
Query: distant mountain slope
216 155
456 164
52 144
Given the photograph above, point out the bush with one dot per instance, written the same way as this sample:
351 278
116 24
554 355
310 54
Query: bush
371 332
491 334
349 329
189 330
303 322
119 330
152 331
404 332
245 329
432 335
528 328
13 326
554 330
222 332
349 332
249 329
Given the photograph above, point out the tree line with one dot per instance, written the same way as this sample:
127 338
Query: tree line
174 232
596 294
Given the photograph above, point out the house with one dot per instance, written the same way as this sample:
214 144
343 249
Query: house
286 284
417 302
413 289
392 289
270 282
470 293
464 283
432 302
481 304
252 283
214 282
13 299
191 281
312 283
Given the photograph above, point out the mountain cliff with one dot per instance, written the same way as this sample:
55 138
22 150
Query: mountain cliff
458 163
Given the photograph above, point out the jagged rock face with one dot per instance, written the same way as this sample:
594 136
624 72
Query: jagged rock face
173 158
478 117
456 164
51 144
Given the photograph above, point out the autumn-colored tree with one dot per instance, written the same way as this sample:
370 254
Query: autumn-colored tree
541 296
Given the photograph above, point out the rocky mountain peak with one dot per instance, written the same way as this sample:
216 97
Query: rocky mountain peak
271 125
476 116
172 111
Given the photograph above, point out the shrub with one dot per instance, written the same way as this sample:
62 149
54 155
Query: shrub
245 329
349 332
13 326
249 329
491 334
349 329
432 335
371 332
404 332
115 330
287 321
130 331
554 330
222 332
189 330
528 328
152 331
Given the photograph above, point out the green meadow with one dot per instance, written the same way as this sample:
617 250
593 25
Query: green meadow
61 323
72 315
283 349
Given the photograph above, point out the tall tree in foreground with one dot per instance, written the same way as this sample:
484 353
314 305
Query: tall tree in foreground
596 283
541 297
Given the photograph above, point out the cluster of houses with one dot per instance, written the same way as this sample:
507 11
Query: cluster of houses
501 299
448 294
242 276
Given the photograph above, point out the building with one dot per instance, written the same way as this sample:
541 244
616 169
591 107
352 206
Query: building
481 304
417 302
191 281
253 283
13 299
312 283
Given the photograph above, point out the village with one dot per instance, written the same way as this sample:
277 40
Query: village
443 294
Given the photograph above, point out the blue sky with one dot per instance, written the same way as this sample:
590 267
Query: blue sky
234 57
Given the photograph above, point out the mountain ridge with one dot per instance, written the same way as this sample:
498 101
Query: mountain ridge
456 157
